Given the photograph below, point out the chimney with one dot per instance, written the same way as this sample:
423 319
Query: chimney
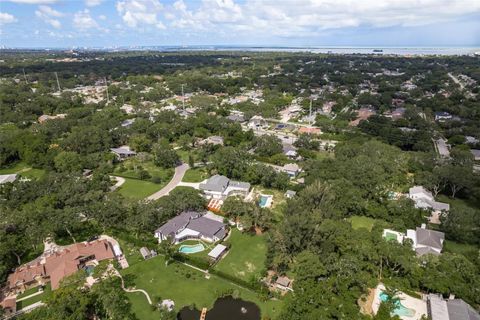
424 226
451 297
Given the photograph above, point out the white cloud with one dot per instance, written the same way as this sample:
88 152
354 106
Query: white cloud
310 17
6 18
49 15
136 13
82 20
34 1
93 3
102 17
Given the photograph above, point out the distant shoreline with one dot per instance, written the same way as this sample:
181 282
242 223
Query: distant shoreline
374 50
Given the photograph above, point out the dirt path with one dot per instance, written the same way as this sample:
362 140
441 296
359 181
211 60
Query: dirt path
117 185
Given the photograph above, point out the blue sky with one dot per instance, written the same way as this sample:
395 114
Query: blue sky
68 23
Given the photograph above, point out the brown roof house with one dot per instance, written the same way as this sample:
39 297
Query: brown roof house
58 265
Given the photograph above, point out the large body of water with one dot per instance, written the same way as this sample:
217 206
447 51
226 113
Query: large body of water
403 51
226 308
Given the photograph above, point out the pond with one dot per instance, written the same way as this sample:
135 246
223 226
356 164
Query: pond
224 308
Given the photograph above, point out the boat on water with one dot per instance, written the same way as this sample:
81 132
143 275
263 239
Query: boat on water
377 50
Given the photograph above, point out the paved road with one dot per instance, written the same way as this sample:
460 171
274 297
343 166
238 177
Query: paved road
117 185
177 178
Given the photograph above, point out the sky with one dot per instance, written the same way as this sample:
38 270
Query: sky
112 23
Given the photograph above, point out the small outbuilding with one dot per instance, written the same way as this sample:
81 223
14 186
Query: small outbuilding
217 252
146 254
290 194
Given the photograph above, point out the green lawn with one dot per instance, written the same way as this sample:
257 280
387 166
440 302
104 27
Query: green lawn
185 286
246 257
14 168
362 222
24 170
33 173
460 248
40 297
138 189
195 175
132 170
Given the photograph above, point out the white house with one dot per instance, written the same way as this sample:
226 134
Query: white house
220 187
192 225
123 152
424 241
292 169
424 200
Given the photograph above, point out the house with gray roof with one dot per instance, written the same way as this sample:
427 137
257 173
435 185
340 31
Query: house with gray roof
426 241
424 199
123 152
476 154
192 225
439 308
220 187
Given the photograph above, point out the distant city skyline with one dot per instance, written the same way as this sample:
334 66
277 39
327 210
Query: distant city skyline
317 23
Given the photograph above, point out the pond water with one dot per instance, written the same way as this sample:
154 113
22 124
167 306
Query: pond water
224 308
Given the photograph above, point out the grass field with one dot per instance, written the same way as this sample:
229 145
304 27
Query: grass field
185 286
460 248
246 257
362 222
195 175
133 166
24 170
14 168
139 189
40 297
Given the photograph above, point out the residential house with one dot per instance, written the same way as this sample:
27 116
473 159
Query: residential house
123 152
290 194
46 117
475 152
215 140
257 122
290 151
5 178
309 130
128 123
292 169
424 200
58 265
439 308
362 114
424 241
9 306
442 116
236 117
283 283
192 225
220 187
217 252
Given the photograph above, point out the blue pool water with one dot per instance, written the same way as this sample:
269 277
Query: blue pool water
263 201
400 309
89 270
191 248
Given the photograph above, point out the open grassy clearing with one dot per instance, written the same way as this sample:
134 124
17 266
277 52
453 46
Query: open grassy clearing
195 175
185 286
131 168
246 257
138 189
23 170
362 222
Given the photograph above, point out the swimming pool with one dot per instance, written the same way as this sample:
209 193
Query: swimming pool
400 310
187 249
264 201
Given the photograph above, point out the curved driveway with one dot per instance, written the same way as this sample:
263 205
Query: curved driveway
177 178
